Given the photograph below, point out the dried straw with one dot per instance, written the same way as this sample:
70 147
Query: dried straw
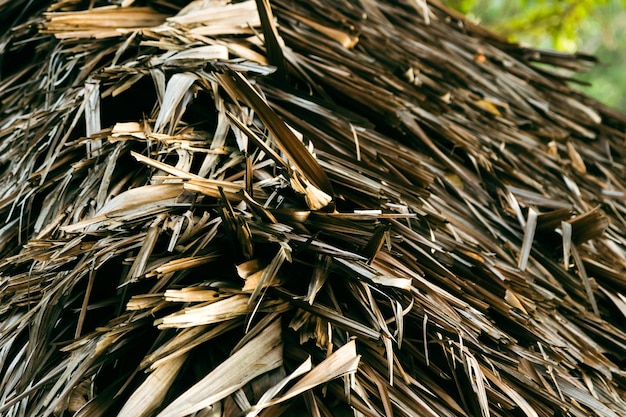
288 208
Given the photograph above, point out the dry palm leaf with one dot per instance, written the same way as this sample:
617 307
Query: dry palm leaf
209 207
260 355
101 22
146 399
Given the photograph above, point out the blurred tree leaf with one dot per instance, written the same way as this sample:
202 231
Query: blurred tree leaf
592 26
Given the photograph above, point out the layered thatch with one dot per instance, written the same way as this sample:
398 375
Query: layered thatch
324 208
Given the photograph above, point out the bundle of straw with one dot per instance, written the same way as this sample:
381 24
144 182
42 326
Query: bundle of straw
347 207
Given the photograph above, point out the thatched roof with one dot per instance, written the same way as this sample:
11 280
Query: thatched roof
322 208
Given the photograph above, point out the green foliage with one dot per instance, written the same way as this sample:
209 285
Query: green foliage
541 21
593 26
464 6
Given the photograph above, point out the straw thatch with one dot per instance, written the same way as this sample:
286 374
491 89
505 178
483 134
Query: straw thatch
302 208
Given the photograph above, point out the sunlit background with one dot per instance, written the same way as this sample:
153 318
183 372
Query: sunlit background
597 27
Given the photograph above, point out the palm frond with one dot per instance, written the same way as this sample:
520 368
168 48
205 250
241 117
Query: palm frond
286 208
